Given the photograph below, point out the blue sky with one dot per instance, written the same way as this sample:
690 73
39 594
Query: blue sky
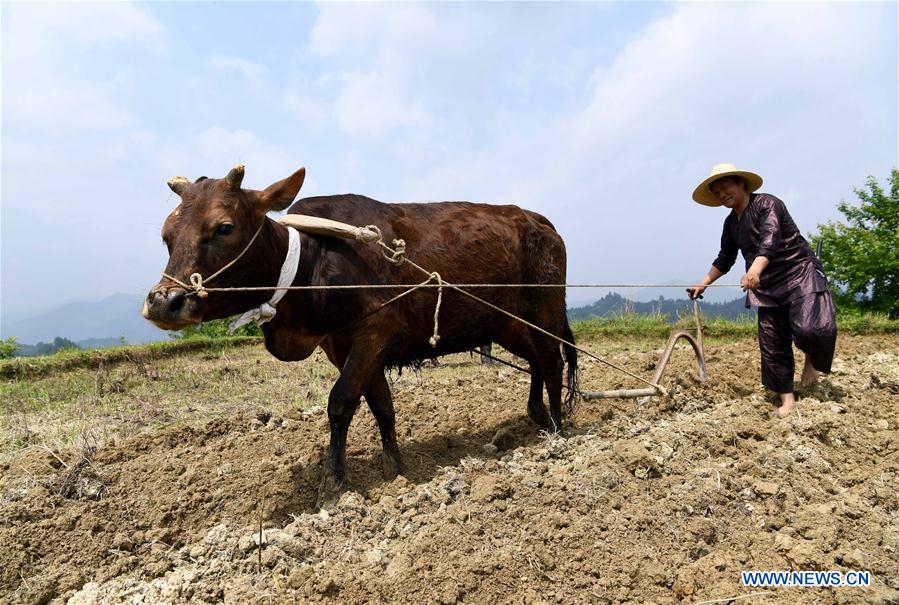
602 116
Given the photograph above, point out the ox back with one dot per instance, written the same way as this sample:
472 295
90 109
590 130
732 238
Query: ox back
465 243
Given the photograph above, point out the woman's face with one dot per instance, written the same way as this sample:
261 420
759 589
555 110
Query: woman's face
730 191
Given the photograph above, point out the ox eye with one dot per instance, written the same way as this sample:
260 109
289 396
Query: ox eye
224 229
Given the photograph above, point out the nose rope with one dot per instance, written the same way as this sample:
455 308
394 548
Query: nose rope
196 279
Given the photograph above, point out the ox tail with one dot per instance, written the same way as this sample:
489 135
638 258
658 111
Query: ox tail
570 355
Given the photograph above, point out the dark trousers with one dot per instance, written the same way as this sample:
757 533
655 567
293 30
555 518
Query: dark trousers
810 323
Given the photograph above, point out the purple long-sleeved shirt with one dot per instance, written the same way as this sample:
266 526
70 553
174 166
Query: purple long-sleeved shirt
767 229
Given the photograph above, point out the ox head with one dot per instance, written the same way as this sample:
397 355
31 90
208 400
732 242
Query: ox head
212 225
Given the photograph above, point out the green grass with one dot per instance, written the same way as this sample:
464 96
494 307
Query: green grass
627 324
853 322
70 359
657 326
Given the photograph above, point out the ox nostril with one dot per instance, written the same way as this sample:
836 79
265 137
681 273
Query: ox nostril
176 300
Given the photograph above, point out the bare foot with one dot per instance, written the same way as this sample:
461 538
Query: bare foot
809 374
787 405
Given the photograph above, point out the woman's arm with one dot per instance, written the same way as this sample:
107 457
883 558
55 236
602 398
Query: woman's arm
727 255
710 277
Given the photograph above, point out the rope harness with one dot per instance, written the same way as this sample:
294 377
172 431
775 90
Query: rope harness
395 255
196 280
267 310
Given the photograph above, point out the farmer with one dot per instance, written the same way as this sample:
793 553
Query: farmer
783 279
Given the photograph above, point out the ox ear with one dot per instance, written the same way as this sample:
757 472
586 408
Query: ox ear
280 195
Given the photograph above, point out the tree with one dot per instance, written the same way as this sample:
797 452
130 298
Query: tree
9 347
861 258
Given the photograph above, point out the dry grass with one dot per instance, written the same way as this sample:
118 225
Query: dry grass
113 402
117 399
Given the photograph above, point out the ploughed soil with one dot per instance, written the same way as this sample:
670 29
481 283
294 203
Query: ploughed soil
664 501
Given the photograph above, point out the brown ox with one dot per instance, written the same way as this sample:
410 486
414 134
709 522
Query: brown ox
464 242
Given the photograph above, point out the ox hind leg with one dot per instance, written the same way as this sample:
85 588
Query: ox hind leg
360 367
518 343
380 402
536 408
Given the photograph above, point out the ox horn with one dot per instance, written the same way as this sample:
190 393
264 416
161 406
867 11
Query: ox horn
177 183
235 177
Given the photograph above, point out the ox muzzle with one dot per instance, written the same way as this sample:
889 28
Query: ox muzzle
170 308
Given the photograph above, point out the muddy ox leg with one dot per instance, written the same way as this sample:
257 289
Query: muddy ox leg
357 372
536 410
380 401
518 342
552 367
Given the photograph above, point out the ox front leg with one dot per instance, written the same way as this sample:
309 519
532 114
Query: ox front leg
357 372
380 401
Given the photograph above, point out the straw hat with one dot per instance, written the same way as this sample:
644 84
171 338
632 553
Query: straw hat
704 195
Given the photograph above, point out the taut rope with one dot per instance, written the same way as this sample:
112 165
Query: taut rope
463 285
397 256
395 253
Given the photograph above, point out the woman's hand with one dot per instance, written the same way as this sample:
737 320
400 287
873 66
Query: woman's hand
750 281
695 292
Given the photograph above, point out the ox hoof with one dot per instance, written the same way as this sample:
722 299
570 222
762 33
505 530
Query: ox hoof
540 418
556 430
329 491
391 467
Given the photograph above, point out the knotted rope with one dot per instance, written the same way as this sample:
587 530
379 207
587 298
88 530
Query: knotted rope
433 340
397 256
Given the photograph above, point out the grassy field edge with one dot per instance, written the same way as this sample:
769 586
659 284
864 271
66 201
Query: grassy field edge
70 359
623 325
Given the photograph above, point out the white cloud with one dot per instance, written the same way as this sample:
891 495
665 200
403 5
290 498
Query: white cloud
706 64
249 69
373 104
37 30
704 84
306 106
215 150
55 103
388 59
352 30
44 49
